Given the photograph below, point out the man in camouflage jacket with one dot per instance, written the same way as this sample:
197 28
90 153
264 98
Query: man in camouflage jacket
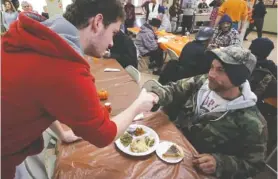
218 114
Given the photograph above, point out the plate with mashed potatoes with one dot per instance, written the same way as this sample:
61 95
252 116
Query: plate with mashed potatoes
138 140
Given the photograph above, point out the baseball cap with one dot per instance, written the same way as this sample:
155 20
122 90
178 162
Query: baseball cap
236 55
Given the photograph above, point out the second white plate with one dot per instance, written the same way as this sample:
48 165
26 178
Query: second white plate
162 148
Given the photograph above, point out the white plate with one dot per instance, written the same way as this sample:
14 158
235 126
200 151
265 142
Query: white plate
162 148
149 132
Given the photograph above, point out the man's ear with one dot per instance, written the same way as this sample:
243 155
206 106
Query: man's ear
96 23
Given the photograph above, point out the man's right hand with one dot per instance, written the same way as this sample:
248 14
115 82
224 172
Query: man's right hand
145 101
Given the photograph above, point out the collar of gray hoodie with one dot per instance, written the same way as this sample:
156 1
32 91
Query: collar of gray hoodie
65 30
247 98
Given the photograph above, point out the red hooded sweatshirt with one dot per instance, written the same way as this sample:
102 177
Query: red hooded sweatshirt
45 79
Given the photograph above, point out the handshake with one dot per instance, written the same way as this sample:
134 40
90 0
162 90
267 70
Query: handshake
147 100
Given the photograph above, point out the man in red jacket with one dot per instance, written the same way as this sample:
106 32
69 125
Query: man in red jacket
45 78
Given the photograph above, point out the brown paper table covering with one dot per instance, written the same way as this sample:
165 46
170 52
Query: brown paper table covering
122 89
81 160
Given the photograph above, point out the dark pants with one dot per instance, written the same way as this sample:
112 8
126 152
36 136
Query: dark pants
187 22
258 23
129 23
156 57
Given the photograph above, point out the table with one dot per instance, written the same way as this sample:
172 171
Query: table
200 17
176 44
117 84
82 160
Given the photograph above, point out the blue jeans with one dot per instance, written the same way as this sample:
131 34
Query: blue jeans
235 25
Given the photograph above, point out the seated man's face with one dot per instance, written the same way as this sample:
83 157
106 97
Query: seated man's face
225 26
218 79
155 28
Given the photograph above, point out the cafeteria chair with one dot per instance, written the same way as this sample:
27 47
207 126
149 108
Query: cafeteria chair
134 73
42 165
172 54
271 161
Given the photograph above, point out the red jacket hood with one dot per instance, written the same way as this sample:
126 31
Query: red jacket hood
28 34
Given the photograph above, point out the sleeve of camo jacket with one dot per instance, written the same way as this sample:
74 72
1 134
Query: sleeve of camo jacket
252 159
177 90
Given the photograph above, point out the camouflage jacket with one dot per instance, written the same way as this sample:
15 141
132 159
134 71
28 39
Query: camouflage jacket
235 136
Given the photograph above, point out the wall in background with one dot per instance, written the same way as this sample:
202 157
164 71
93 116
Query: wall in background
270 20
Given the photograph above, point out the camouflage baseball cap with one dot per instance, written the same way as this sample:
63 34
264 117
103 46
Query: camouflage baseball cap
236 55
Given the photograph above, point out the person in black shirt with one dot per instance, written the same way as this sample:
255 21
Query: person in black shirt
263 82
259 12
123 50
45 13
193 60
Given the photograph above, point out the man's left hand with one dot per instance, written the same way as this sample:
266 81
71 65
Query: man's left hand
205 162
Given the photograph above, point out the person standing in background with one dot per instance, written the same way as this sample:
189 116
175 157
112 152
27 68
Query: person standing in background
144 7
215 4
45 13
10 15
174 12
153 10
237 10
130 15
165 22
259 12
31 8
25 6
165 6
188 12
202 6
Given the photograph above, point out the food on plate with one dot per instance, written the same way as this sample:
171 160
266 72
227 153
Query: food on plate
126 139
149 141
139 131
139 145
102 94
174 151
142 144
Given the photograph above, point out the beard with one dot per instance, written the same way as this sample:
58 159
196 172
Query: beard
215 86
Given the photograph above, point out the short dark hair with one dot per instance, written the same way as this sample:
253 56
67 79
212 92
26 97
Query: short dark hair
80 11
155 22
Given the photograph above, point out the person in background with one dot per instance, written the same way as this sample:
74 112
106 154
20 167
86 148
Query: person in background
31 9
224 35
130 15
16 5
237 10
145 6
165 22
10 15
174 12
25 6
203 6
263 83
215 4
123 50
192 62
147 45
45 12
258 14
217 113
63 88
188 12
165 6
153 10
